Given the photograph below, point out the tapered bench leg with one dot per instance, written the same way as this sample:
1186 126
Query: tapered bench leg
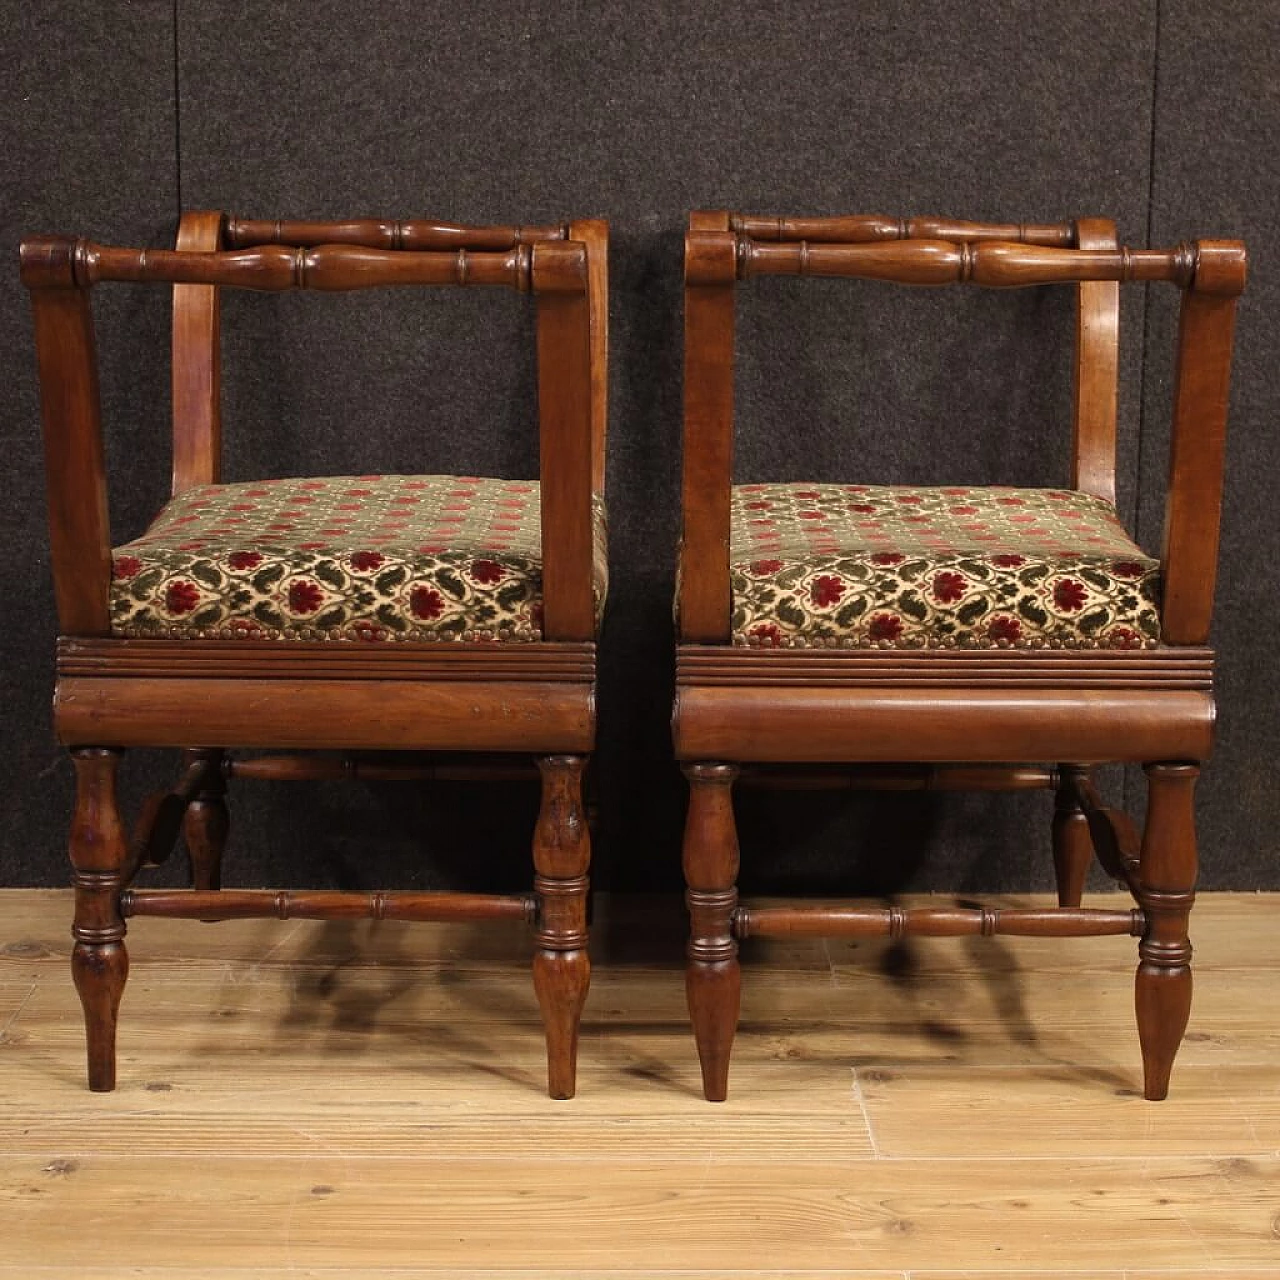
713 979
1072 845
99 961
561 967
1166 890
205 824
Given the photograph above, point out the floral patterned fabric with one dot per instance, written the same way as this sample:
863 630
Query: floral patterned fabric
371 558
860 566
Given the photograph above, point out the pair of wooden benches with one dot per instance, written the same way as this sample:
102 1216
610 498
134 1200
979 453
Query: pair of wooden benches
889 636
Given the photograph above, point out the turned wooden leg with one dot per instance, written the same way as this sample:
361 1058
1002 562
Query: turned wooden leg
713 978
99 961
1166 891
1072 844
205 823
561 967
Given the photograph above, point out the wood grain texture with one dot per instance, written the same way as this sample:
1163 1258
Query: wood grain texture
707 446
713 976
379 233
326 1210
204 697
594 234
277 268
887 709
561 965
306 659
322 904
812 723
567 419
197 362
993 265
206 822
1166 882
1097 371
99 959
863 228
1206 334
383 1118
324 714
75 465
1166 668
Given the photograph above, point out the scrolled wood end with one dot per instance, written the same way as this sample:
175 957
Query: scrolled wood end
49 262
1219 267
711 257
559 266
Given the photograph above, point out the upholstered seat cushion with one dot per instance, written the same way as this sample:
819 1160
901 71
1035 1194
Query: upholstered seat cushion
342 558
860 566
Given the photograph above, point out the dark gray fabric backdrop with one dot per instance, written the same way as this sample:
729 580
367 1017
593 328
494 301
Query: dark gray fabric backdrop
1162 115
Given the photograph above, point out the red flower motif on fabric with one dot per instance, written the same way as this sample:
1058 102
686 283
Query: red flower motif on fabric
304 596
1004 630
826 590
487 571
125 567
181 597
367 561
888 557
948 587
426 602
1128 569
1008 561
909 498
885 626
1124 638
769 635
1069 595
765 568
861 506
244 559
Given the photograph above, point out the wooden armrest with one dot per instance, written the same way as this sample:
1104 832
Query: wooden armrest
568 276
704 599
571 385
1193 505
721 249
75 468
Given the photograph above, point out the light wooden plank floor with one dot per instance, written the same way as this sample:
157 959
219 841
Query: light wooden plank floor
366 1100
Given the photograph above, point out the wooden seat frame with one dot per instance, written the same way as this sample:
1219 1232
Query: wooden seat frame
536 699
954 719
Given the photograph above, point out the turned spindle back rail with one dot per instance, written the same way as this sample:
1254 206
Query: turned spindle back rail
565 267
275 268
722 250
376 233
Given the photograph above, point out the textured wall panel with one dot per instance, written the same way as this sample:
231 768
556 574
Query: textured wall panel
1217 173
524 111
88 122
532 111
